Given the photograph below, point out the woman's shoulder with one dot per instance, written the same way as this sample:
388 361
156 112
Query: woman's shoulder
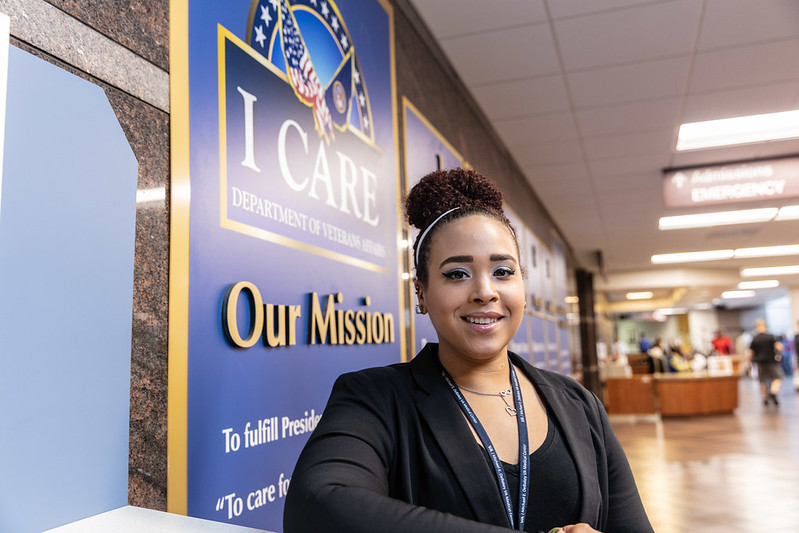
377 379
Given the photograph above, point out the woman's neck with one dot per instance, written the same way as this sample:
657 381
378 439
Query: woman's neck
484 375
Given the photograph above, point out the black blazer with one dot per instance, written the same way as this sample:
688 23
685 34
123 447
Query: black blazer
393 453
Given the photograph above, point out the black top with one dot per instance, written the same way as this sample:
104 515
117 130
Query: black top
763 348
554 498
391 454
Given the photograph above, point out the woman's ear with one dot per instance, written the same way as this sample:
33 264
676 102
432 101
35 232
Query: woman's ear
419 295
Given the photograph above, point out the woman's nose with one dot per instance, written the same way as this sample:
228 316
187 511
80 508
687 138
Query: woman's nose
484 290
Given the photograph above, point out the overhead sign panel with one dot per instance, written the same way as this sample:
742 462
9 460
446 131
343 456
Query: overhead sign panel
732 183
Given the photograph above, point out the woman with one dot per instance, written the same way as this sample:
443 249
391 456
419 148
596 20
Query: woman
458 437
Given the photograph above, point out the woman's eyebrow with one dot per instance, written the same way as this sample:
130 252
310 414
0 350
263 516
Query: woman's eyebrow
470 259
457 259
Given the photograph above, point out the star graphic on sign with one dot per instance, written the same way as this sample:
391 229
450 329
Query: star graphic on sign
274 4
325 10
334 23
362 99
313 2
365 123
357 77
259 35
265 16
344 43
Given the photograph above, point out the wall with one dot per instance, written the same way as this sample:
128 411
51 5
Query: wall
629 331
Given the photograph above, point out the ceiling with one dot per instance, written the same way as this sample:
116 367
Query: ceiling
589 95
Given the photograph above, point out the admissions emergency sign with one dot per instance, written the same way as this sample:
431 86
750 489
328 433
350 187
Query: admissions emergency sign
732 183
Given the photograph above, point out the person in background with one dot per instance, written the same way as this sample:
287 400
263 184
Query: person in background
644 344
763 351
722 344
677 362
657 357
467 436
786 359
618 353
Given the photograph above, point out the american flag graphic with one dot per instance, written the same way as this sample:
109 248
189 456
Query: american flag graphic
302 74
273 30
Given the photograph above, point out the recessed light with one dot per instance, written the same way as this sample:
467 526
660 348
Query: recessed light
770 271
763 284
720 218
688 257
643 295
789 212
729 295
767 251
738 130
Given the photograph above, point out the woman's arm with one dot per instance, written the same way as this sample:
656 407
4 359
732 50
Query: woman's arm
342 482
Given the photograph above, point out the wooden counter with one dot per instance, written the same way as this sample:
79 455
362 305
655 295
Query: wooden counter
696 395
631 396
672 394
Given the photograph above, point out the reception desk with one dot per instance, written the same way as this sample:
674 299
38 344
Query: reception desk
672 394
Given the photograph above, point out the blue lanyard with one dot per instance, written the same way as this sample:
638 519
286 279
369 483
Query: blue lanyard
524 453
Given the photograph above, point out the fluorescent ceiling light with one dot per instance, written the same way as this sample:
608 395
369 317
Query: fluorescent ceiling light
767 251
728 295
671 311
738 130
644 295
789 212
689 257
721 218
763 284
770 271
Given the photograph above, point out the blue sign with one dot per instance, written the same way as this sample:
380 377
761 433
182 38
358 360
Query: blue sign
425 150
293 228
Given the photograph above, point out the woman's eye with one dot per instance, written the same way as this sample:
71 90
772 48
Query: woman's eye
455 274
504 272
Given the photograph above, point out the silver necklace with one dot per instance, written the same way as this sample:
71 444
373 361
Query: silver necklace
502 394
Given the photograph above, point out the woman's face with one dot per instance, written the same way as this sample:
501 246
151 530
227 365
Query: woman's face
474 293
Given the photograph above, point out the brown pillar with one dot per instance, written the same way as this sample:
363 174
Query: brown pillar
585 293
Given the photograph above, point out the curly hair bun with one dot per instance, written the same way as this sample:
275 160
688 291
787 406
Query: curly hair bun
443 190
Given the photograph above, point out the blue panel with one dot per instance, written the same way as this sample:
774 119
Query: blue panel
67 234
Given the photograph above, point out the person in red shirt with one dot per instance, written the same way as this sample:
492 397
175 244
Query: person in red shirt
722 343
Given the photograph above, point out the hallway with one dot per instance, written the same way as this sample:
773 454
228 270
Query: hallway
729 473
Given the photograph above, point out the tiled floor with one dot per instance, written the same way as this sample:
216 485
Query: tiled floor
734 473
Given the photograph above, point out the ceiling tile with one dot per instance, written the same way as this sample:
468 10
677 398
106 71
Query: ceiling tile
629 83
575 8
525 97
746 67
627 118
548 153
576 171
623 166
497 56
741 102
447 18
537 128
658 30
736 22
613 146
